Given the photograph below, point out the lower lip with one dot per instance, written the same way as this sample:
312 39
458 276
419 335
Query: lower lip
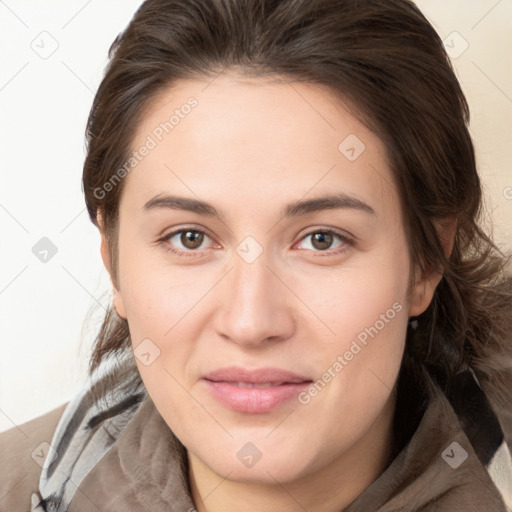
254 400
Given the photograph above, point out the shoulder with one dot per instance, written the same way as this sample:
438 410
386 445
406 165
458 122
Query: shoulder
23 450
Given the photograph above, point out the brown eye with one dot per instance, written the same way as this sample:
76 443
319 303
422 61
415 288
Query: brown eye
324 242
186 241
191 239
321 241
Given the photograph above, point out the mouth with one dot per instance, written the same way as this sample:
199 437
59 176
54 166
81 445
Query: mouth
254 391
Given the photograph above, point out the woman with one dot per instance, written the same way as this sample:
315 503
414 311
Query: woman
306 314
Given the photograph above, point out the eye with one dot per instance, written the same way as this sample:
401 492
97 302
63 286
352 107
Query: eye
189 241
185 241
323 241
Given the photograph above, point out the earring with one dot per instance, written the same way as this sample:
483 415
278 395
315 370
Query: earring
413 323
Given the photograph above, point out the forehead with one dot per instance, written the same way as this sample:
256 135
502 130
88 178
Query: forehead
258 137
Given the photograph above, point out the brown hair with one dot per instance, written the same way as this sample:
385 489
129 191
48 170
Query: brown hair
386 61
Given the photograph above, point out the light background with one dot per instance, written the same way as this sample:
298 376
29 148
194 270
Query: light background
50 312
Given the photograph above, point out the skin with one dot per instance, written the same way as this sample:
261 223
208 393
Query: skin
250 147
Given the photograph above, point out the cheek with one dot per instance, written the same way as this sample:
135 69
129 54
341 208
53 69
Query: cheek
157 296
366 353
367 311
159 307
357 368
370 289
162 305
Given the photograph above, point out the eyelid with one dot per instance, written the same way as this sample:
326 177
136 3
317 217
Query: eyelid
324 229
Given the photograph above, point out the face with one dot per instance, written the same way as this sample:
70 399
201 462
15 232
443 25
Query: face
268 324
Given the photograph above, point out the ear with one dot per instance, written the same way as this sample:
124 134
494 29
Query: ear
105 256
426 285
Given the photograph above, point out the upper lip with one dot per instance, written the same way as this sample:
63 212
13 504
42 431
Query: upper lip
255 376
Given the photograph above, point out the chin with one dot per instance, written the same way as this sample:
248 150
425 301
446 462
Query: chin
257 462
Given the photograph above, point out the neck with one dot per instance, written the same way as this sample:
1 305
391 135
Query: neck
332 488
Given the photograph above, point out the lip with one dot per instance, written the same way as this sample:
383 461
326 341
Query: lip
254 391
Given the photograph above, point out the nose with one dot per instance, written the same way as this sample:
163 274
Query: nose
256 304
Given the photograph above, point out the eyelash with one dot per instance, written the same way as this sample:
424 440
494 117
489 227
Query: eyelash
347 242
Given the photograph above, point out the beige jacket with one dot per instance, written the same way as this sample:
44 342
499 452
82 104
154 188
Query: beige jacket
146 468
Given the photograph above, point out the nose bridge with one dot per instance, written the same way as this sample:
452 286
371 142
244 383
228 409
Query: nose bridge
255 306
252 282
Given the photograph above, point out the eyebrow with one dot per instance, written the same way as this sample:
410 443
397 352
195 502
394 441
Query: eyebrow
293 209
